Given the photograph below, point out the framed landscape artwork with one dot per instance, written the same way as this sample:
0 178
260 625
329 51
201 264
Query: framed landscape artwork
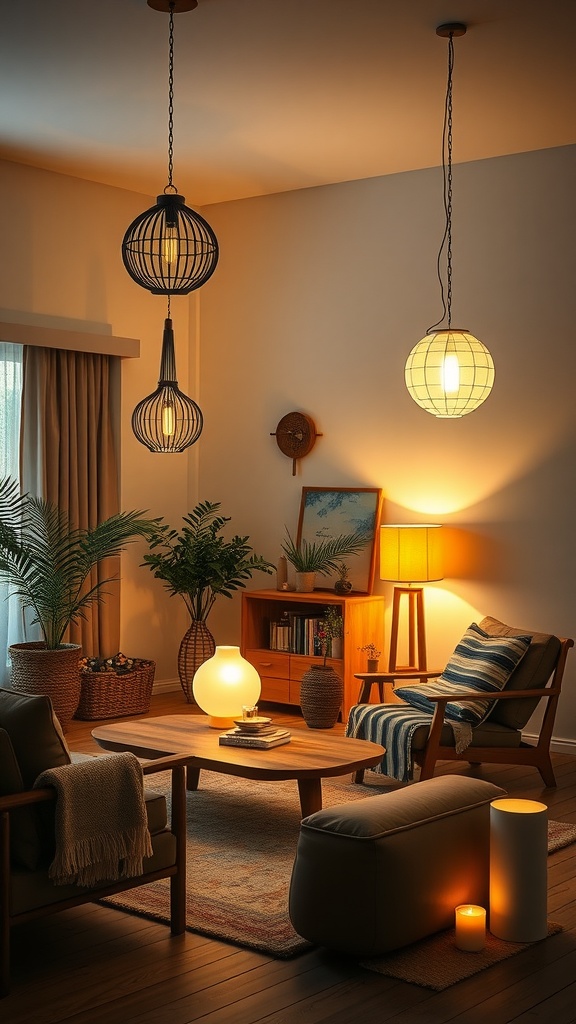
327 512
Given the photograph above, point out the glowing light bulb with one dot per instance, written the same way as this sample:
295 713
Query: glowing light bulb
450 373
170 245
168 420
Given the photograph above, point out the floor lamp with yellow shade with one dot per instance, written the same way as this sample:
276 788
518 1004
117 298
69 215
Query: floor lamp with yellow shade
408 555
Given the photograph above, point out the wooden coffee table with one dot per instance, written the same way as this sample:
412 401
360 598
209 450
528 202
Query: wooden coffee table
309 757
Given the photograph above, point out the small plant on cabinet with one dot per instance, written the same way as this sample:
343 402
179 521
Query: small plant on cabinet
371 652
331 628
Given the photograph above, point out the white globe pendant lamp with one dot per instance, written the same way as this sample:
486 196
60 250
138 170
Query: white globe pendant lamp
449 373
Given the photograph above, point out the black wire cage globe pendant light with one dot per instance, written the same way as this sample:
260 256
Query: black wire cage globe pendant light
170 249
167 420
449 373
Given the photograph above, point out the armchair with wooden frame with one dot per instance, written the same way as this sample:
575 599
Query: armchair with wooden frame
498 739
30 742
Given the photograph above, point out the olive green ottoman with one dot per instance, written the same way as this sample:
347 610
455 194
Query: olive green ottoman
374 875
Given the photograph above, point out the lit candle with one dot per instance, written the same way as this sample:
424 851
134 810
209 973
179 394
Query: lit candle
470 928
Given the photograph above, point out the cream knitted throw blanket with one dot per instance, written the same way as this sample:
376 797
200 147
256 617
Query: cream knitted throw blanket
100 820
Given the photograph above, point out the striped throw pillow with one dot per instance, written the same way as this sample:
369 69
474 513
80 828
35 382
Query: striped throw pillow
479 662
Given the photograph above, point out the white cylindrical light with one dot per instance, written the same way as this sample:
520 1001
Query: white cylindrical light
518 870
225 683
449 373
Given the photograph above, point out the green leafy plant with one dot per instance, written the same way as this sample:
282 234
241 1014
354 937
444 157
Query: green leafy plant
323 556
198 563
47 561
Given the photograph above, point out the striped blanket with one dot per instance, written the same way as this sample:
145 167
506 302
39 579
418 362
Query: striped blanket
393 726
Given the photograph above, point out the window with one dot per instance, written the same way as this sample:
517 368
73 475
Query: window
10 396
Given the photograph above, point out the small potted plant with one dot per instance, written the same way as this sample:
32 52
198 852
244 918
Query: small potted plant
372 654
331 629
343 584
322 557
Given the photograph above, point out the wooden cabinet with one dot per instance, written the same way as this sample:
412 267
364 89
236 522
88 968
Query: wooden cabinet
282 671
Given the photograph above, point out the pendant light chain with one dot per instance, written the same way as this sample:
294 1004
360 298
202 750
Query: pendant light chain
448 185
170 186
446 243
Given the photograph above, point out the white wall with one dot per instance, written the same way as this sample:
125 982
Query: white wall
316 302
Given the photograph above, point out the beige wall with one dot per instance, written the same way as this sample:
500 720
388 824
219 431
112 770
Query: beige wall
318 297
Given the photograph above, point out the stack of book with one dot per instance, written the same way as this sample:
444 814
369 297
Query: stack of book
260 739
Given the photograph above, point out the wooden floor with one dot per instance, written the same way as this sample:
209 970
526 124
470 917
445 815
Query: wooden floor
97 966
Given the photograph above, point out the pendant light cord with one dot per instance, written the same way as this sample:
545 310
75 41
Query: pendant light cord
170 187
446 244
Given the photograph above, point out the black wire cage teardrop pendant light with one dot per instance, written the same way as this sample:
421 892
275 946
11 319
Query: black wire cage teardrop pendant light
167 420
449 373
170 249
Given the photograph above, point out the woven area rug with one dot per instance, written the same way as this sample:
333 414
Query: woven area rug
436 963
242 838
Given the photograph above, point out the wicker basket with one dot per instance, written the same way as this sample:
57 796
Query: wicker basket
109 695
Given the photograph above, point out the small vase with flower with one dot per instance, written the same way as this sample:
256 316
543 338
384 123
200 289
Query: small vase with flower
322 689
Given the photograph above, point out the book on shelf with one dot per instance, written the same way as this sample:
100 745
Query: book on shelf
236 738
305 635
297 633
280 634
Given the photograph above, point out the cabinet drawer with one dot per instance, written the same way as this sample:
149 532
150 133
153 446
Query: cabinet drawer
277 690
269 663
294 692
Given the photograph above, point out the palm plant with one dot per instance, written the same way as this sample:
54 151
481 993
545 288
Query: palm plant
47 561
198 563
323 556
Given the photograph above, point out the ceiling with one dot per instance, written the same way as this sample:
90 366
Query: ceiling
272 95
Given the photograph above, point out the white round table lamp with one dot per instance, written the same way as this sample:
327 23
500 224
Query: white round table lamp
224 684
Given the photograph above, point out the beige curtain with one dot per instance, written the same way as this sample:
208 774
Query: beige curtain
68 456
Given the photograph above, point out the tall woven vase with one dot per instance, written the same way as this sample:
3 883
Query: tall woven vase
321 693
197 646
55 673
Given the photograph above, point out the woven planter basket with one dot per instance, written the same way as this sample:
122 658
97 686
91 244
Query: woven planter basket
321 693
55 673
196 647
109 695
